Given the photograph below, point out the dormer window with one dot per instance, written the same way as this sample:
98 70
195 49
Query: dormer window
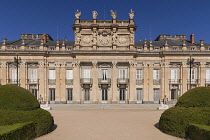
32 48
193 48
52 48
14 48
139 49
156 49
174 48
69 49
209 48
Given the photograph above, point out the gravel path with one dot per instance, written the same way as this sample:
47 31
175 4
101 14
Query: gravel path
115 124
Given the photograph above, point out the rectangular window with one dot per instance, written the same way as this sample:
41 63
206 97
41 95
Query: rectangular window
156 76
52 76
156 95
208 76
86 73
104 73
174 75
139 74
123 73
139 95
13 75
33 76
193 75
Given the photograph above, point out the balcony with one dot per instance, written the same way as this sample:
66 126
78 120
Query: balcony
51 81
139 81
122 80
12 81
69 81
175 81
86 80
104 81
193 81
156 81
32 81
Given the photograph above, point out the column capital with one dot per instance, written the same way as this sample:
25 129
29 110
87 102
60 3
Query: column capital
63 64
95 63
23 64
184 64
3 64
57 64
203 64
114 63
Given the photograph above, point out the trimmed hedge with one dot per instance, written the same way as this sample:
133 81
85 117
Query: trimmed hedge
175 120
198 132
196 97
42 119
18 131
13 97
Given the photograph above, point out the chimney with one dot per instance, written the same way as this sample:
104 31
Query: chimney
44 38
192 38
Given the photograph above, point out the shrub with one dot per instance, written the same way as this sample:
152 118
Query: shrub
42 119
13 97
18 131
175 120
196 97
198 132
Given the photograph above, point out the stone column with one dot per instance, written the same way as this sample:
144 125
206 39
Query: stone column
76 83
166 83
184 77
202 73
146 83
42 83
114 83
57 89
95 83
23 74
63 82
132 84
3 73
162 80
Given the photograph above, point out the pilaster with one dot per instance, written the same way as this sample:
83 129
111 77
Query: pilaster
95 83
184 77
57 89
166 79
42 80
132 84
202 73
150 77
3 73
146 83
76 84
23 74
63 82
114 83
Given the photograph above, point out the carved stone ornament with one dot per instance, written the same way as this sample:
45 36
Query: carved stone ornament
77 14
131 14
122 39
104 38
113 14
87 39
95 14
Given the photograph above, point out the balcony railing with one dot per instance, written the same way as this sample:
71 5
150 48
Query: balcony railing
51 81
32 81
139 81
12 81
86 80
175 81
122 80
104 81
193 81
156 81
69 81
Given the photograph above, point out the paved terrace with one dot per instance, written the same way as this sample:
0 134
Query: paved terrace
106 122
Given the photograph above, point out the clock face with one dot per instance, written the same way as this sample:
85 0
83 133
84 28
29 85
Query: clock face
122 40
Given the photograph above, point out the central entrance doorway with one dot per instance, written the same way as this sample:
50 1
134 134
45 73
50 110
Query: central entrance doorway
104 95
122 95
86 95
174 94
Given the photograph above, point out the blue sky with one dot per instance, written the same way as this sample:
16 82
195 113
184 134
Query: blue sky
153 17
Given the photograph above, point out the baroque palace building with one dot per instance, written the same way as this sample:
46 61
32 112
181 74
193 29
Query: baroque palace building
104 64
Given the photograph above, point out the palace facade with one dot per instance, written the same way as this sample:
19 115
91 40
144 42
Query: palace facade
104 64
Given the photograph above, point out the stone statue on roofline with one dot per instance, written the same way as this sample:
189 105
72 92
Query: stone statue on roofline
131 14
113 14
77 14
95 14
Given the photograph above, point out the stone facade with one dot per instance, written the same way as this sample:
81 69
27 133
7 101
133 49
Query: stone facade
104 64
